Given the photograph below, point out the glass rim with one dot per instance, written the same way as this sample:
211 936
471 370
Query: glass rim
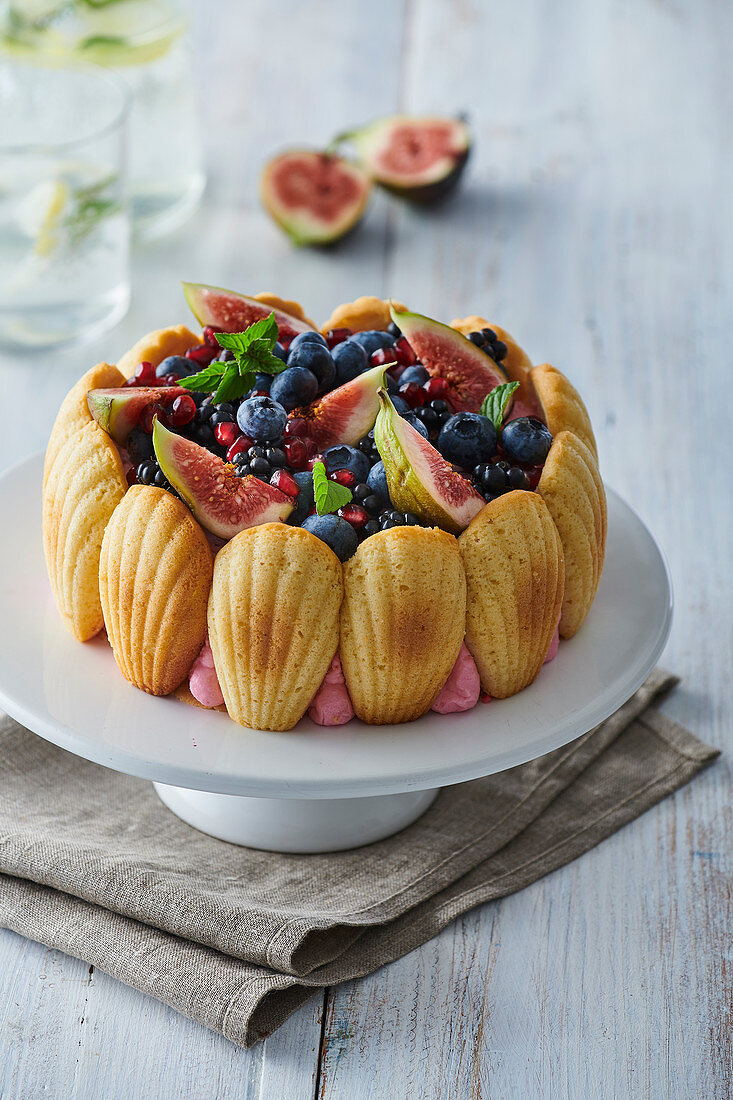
99 72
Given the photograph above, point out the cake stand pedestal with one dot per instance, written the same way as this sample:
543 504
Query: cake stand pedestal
312 789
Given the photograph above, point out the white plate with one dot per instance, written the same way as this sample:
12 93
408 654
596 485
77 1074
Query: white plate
73 695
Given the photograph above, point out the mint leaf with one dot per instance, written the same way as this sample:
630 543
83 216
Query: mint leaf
329 495
233 385
495 403
252 351
206 380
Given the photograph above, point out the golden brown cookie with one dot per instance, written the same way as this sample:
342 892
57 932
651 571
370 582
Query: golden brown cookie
157 346
154 581
516 363
85 483
513 559
561 405
273 622
74 411
571 487
402 621
362 315
287 305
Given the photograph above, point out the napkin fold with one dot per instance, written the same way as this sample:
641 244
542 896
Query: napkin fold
93 864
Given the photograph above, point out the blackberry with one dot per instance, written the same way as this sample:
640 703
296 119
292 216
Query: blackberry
392 518
441 409
150 473
365 496
516 478
370 528
429 417
489 342
276 457
368 447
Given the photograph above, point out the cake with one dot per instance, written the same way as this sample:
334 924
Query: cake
380 517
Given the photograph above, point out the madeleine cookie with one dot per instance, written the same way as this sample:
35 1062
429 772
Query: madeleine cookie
513 559
516 363
74 411
157 346
362 315
154 581
273 622
562 406
402 621
571 487
85 483
287 305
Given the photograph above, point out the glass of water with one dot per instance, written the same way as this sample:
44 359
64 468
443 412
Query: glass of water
64 224
147 43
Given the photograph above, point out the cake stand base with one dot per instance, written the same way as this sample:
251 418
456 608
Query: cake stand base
296 825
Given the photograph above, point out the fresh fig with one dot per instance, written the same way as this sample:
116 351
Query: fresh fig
222 502
345 414
118 410
227 311
447 353
315 197
420 158
418 477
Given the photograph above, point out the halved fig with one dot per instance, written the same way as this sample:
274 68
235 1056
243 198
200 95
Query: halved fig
227 311
345 414
315 197
418 157
418 477
118 410
447 353
222 502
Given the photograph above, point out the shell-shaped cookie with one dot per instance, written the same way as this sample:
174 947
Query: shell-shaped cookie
74 411
402 621
516 362
85 483
287 305
562 406
157 346
154 582
571 487
362 315
514 575
273 622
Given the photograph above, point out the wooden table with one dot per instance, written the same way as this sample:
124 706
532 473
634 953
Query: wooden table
595 223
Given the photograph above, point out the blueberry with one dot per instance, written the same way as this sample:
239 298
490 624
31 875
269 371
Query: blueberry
373 340
429 417
477 338
467 439
400 404
393 386
371 527
294 386
225 356
304 500
499 351
280 352
416 373
526 440
416 423
176 364
342 457
516 478
350 359
263 382
139 446
393 330
307 338
335 532
377 481
494 480
317 359
262 419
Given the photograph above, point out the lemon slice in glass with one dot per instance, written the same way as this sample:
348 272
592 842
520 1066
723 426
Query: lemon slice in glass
41 212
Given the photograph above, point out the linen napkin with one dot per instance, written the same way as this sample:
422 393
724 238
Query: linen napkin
93 864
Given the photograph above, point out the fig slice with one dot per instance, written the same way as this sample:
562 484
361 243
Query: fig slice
315 197
222 502
447 353
118 410
345 414
418 157
419 478
227 311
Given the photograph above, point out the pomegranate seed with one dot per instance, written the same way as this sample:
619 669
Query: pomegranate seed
296 426
404 352
169 380
130 381
226 433
144 374
296 453
131 476
260 393
202 354
241 443
534 473
354 514
147 415
436 387
285 341
182 411
315 458
396 371
337 336
285 482
413 394
382 356
210 338
344 477
311 447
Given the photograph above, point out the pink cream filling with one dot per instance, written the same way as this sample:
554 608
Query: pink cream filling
202 679
462 689
331 704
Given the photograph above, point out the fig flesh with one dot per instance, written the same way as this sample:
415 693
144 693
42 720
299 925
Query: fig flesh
345 414
315 197
118 411
227 311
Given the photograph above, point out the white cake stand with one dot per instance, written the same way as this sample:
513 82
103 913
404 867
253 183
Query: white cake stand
313 789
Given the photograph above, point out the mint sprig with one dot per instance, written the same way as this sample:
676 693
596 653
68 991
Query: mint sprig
329 495
496 401
253 355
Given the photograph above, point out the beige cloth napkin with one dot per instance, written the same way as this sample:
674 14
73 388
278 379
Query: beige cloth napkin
93 864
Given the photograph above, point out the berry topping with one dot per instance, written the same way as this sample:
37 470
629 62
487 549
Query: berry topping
526 440
335 532
144 374
285 482
412 393
355 515
294 386
263 419
382 356
314 357
148 415
182 411
150 473
350 360
467 439
373 339
202 354
344 477
240 445
436 387
225 433
210 338
336 336
175 364
347 458
296 453
416 374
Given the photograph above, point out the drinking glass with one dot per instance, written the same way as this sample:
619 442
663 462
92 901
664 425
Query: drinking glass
64 224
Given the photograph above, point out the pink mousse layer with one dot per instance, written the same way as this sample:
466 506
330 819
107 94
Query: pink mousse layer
202 679
462 689
331 704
